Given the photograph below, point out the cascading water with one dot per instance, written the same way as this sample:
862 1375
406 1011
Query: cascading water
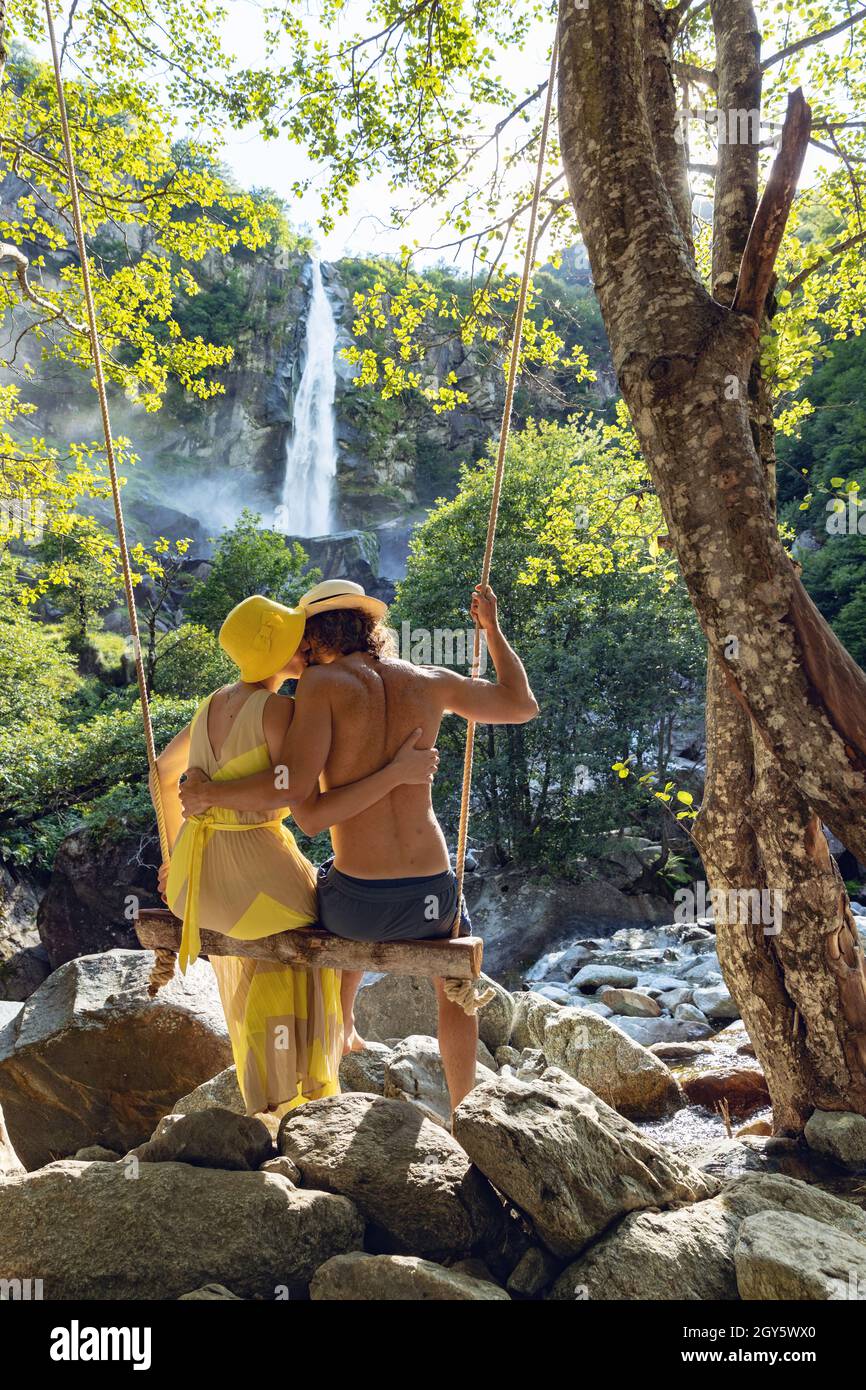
311 454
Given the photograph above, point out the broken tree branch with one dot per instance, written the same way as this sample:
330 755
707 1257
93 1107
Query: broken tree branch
768 227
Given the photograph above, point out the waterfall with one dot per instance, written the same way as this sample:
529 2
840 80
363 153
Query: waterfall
311 454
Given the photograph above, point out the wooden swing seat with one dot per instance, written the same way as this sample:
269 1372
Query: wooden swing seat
454 958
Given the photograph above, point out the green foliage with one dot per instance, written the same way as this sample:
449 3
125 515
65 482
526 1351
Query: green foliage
37 673
612 651
191 663
249 560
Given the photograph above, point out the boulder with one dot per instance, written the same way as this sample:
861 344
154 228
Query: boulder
840 1135
397 1278
592 977
678 1051
571 1163
559 965
782 1255
743 1088
221 1092
408 1177
92 1059
209 1139
285 1167
630 1002
414 1072
647 1031
95 1233
534 1272
95 884
396 1006
365 1070
531 1012
210 1293
9 1160
24 961
688 1253
715 1001
601 1056
97 1153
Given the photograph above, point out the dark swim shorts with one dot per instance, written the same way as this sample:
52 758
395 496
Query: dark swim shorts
389 909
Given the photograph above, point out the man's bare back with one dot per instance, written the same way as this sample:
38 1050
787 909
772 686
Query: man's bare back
375 705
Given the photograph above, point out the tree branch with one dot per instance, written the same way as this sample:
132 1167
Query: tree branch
811 39
8 252
832 255
768 228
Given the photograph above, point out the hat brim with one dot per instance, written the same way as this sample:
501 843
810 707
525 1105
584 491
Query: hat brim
374 606
260 666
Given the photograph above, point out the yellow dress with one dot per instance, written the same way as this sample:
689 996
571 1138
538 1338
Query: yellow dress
242 874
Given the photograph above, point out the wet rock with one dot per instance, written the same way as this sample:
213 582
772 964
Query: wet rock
593 977
744 1089
647 1031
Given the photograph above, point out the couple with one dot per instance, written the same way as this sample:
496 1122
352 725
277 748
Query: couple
343 754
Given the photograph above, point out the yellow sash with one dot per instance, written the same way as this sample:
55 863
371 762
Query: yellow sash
201 828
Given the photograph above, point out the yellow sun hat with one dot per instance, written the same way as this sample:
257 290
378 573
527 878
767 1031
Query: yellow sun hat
261 636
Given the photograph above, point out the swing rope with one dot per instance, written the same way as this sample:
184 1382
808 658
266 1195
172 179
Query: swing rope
460 992
164 965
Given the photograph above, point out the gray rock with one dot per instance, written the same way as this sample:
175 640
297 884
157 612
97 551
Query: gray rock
210 1293
662 983
671 998
221 1092
567 1160
647 1031
397 1006
678 1051
209 1139
95 1060
716 1002
9 1160
688 1253
690 1013
534 1272
601 1056
97 1153
506 1056
409 1178
592 977
840 1135
782 1255
531 1012
397 1278
414 1072
99 1232
365 1070
284 1167
24 961
630 1002
595 1006
558 993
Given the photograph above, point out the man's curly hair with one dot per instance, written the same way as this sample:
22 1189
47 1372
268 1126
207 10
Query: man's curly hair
347 630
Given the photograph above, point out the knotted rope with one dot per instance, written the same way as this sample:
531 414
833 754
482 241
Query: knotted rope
456 990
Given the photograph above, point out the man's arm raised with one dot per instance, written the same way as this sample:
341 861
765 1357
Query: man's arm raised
508 701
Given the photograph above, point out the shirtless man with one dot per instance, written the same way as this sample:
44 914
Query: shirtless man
390 877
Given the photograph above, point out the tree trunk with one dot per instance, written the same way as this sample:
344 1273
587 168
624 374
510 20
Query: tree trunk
786 704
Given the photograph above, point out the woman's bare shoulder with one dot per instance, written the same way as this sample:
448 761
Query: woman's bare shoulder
278 713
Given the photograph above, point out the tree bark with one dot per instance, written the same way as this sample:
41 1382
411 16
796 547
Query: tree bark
786 705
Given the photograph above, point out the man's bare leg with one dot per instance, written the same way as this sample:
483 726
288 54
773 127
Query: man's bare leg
352 1042
458 1045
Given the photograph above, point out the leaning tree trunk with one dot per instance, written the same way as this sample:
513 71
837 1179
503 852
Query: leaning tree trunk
786 704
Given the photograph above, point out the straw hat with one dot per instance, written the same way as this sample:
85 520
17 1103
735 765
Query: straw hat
261 636
340 593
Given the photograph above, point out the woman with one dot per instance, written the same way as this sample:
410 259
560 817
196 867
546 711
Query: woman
241 873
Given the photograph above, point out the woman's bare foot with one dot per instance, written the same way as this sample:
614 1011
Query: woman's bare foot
353 1042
